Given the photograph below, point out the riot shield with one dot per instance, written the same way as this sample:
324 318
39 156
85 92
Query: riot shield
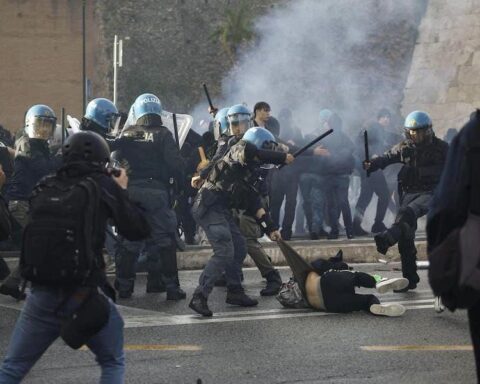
184 123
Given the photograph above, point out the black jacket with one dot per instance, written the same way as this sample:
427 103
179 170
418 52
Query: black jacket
458 192
422 167
33 161
157 158
115 205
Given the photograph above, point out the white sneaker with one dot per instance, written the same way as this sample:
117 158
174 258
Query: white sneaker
391 284
438 305
391 310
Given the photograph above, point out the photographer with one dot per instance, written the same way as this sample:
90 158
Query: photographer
67 220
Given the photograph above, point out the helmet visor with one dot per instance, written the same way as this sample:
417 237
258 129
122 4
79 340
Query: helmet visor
238 128
419 136
42 127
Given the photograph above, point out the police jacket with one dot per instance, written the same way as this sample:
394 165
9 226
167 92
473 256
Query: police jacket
33 161
233 178
458 192
423 164
223 145
115 204
154 157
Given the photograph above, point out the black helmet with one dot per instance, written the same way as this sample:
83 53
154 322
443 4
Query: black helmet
86 146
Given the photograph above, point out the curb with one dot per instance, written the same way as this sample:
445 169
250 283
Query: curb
356 251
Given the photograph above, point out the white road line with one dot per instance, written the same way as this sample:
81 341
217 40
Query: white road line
141 318
222 317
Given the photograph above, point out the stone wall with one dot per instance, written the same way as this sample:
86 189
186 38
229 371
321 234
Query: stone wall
167 50
40 51
444 78
167 47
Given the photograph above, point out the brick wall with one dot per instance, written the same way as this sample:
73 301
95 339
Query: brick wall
41 56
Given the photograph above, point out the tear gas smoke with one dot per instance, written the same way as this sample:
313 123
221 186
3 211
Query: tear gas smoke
349 56
346 55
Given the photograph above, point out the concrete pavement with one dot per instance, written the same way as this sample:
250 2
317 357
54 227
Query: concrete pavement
167 343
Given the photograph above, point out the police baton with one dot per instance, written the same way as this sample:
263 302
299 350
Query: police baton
175 130
208 96
313 142
367 152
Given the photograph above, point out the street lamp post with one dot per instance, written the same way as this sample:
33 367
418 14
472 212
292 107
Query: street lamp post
117 63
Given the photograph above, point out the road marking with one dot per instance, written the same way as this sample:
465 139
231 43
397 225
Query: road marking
141 318
382 348
157 347
222 317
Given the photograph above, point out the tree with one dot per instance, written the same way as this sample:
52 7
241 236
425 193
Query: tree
234 30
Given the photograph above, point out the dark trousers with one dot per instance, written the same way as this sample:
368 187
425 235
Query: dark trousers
284 185
159 248
375 183
337 202
474 322
412 207
228 244
338 290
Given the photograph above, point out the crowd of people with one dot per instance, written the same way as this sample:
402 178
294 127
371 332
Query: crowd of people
135 191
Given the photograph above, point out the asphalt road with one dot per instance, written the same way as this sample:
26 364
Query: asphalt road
167 343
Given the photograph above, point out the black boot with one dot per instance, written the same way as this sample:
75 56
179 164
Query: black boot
176 294
4 270
14 292
357 228
199 305
274 282
241 299
155 285
388 238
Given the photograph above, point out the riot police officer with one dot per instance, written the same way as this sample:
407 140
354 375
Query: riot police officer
151 156
33 161
423 156
101 117
229 186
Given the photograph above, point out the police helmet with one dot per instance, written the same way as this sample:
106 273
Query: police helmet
86 146
103 113
147 110
261 137
418 127
40 122
325 115
239 119
221 123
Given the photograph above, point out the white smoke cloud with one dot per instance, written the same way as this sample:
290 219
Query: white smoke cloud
314 54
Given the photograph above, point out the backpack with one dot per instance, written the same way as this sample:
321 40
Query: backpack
290 295
57 246
453 268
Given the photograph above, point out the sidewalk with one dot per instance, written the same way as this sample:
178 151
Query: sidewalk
360 250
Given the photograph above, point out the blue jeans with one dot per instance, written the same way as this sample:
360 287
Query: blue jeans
38 327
